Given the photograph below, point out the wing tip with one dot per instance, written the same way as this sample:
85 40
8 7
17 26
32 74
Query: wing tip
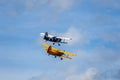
45 44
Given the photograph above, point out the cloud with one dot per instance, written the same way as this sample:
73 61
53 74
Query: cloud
14 74
88 75
18 7
55 75
100 55
111 74
65 75
33 4
114 4
105 60
61 5
12 7
75 34
112 37
53 4
100 27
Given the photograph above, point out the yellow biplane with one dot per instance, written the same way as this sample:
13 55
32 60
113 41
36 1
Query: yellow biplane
56 52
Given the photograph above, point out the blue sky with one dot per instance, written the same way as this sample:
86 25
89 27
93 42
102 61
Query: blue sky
94 26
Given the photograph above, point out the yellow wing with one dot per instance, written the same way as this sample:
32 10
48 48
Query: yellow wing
53 48
68 53
66 57
45 45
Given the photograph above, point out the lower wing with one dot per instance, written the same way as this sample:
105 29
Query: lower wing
68 53
66 57
46 45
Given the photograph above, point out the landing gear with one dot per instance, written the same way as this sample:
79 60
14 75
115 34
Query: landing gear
58 44
55 56
53 43
61 58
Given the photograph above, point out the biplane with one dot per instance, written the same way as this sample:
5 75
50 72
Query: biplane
55 39
56 52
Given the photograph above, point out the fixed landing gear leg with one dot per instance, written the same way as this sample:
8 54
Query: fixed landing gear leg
53 43
61 58
58 44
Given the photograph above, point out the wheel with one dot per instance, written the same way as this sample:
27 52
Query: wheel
61 58
58 44
53 43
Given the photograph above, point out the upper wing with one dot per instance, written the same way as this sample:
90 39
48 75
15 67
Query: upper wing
65 38
50 35
53 48
68 53
45 45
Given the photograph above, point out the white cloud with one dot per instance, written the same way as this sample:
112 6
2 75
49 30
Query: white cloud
32 4
110 74
16 7
88 75
75 34
111 37
61 5
67 75
13 74
53 75
114 4
20 6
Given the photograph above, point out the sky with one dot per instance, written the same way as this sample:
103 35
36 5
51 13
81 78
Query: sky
93 25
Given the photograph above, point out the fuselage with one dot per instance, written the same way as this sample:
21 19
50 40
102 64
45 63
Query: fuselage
54 52
55 39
